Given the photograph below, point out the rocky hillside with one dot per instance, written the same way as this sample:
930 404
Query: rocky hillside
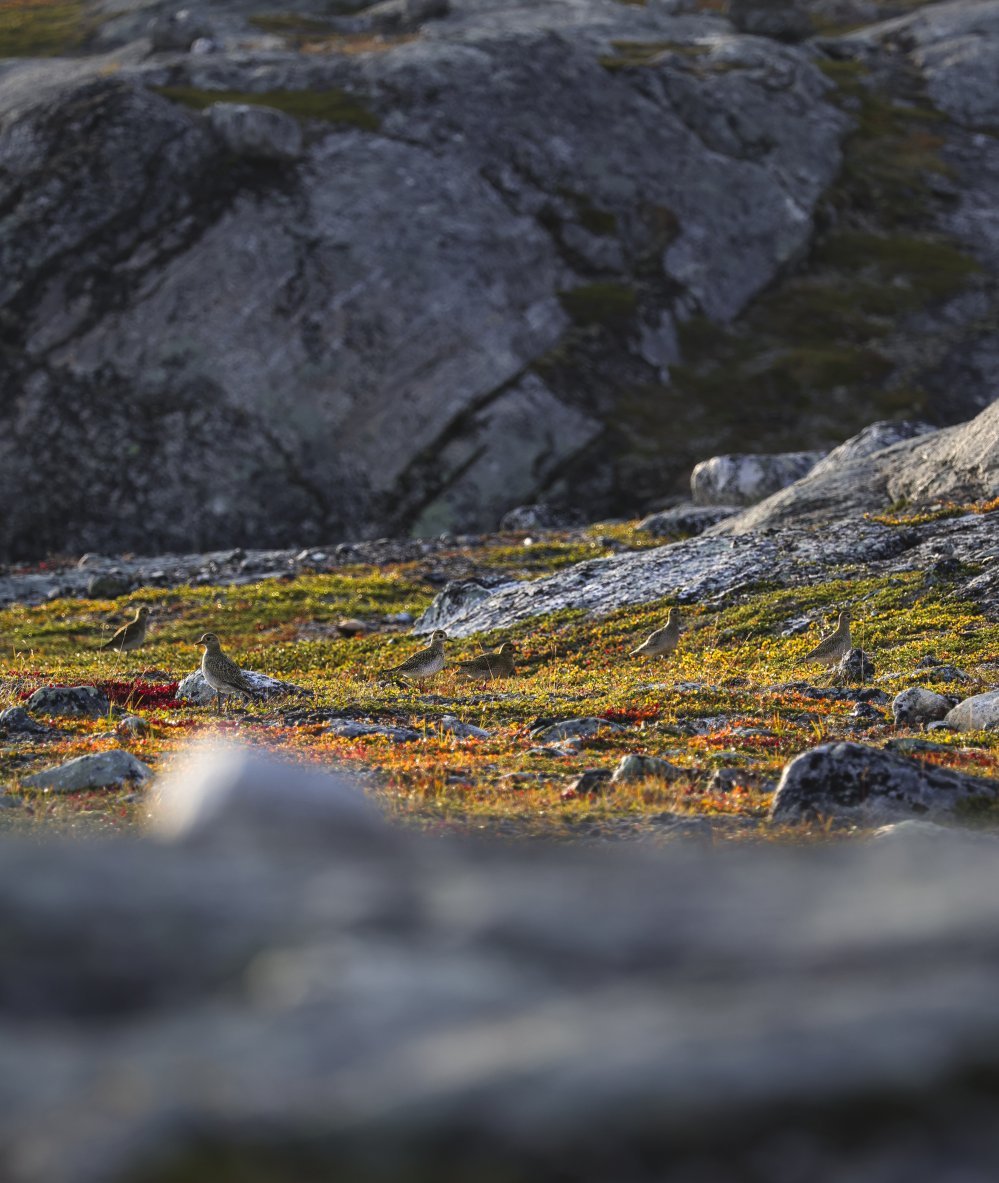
273 278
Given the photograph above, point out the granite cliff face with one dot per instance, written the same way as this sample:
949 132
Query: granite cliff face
289 278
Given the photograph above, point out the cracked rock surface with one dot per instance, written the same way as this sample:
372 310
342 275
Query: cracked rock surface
259 328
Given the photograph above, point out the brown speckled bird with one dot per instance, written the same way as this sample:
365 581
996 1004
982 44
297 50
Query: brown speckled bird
132 635
489 665
834 647
221 673
663 641
421 665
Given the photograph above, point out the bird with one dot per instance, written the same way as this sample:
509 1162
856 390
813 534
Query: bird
832 648
222 673
490 665
421 665
131 635
663 641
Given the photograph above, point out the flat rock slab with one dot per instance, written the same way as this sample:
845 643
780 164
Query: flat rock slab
98 771
572 728
356 729
81 701
195 689
870 786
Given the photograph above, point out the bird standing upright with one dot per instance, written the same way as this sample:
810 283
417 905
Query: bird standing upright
663 641
221 673
421 665
132 635
833 647
489 665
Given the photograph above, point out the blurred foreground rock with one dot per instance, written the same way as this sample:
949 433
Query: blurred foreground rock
284 985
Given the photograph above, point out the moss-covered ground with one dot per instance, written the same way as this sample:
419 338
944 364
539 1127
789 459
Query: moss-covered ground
712 705
42 28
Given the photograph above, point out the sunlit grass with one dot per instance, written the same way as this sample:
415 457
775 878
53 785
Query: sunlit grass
729 697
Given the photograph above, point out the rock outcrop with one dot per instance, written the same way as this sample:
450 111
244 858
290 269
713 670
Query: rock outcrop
715 568
958 464
338 293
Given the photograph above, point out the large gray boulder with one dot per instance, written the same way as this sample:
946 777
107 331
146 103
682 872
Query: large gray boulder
977 713
386 353
869 786
279 980
76 701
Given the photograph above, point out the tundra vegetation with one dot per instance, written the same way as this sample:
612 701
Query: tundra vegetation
733 697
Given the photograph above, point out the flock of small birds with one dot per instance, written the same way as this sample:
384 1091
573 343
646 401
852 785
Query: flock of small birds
225 677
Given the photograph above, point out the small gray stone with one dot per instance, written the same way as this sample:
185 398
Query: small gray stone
538 517
684 519
177 31
913 832
739 479
108 586
941 672
17 720
461 730
634 767
562 751
256 132
724 780
132 725
864 715
80 701
856 666
572 728
592 783
97 771
917 705
236 795
355 729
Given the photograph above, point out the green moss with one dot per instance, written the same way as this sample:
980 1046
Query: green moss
330 106
628 55
917 267
611 305
43 29
596 221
